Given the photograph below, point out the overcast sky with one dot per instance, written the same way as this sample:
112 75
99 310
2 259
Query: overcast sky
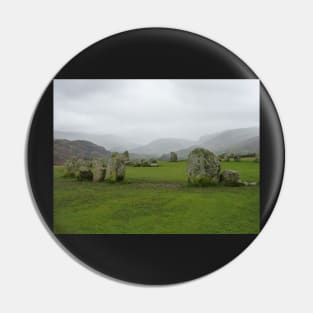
142 110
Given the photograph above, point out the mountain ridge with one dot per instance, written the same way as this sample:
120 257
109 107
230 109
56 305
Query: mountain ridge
240 140
66 149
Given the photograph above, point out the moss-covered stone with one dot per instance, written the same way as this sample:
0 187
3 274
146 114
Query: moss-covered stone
226 157
70 168
115 170
230 178
98 174
98 170
84 173
125 155
203 168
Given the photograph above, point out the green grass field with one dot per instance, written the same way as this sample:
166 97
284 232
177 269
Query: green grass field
157 201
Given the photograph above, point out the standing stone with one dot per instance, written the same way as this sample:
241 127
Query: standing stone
115 169
237 158
98 174
230 178
226 157
125 155
173 157
84 173
70 168
203 168
114 154
98 170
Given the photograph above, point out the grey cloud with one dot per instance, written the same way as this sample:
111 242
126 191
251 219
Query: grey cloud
144 110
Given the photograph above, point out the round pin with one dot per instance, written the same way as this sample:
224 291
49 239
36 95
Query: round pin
155 156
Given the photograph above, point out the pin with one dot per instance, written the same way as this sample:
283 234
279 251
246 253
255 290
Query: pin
155 156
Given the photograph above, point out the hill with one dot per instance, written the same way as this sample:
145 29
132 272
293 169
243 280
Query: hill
65 149
242 141
161 146
109 141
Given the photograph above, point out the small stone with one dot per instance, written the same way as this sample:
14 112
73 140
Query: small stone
230 178
226 157
249 183
237 158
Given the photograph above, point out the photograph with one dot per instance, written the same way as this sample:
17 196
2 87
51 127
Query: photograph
156 156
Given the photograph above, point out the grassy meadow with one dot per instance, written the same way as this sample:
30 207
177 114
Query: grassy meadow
157 200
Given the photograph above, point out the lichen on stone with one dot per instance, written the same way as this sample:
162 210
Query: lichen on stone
115 170
230 178
84 173
203 168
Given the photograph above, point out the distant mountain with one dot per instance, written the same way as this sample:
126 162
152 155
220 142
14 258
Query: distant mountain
110 142
230 139
161 146
65 149
242 141
251 145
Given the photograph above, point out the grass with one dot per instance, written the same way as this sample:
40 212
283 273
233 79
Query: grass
157 201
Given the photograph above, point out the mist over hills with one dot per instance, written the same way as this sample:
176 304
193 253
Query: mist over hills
163 145
108 141
242 141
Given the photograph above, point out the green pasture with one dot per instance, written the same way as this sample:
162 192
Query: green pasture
157 200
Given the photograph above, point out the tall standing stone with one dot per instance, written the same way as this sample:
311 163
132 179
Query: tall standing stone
115 170
173 157
203 168
125 154
70 168
98 170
